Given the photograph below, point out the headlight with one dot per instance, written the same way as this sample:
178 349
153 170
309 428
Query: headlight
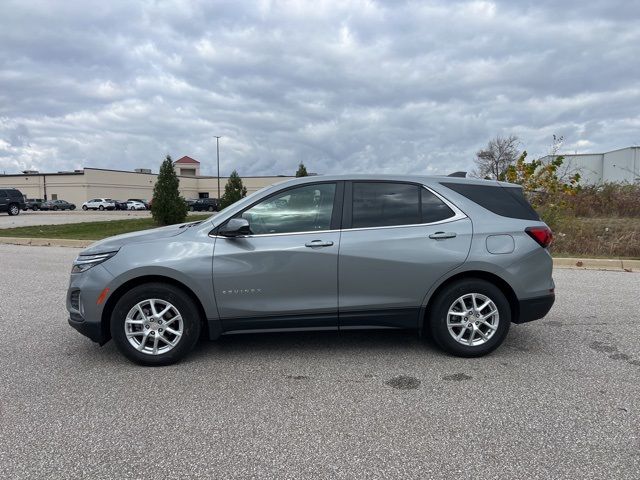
85 262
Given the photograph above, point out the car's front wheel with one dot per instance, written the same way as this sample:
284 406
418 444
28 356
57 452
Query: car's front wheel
470 318
101 207
155 324
85 208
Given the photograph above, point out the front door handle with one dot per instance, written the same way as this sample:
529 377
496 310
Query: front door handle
442 235
318 243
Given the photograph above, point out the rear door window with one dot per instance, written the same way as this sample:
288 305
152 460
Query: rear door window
434 209
380 204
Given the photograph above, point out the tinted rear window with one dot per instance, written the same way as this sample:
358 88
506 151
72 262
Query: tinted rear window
14 194
504 201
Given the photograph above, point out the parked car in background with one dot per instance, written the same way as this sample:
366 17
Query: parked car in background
205 205
11 201
57 205
132 205
146 204
33 203
121 205
99 204
458 260
190 201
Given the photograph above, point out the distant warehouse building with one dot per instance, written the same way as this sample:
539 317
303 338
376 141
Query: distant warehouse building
78 186
622 165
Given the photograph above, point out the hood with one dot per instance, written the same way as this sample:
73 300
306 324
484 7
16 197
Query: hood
112 244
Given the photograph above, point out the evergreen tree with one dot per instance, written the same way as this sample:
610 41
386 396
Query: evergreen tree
302 171
233 190
168 207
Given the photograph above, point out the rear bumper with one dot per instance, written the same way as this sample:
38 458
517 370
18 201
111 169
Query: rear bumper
535 308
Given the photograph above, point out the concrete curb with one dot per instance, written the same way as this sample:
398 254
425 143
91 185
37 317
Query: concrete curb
612 264
46 242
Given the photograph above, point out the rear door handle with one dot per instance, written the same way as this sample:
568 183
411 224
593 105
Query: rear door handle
318 243
442 235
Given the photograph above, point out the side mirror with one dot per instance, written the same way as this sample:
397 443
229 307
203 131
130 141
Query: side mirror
235 227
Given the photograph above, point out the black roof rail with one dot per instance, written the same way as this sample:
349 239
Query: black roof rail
458 174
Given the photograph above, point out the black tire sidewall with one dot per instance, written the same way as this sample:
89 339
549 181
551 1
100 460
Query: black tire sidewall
185 305
438 317
10 210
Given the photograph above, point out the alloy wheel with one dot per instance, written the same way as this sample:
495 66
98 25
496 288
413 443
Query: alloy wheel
154 326
473 319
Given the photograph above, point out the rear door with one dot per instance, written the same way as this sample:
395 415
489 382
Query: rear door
285 274
398 239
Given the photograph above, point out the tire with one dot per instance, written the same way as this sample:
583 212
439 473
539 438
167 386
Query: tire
448 301
72 208
85 208
191 209
55 209
35 208
101 207
14 209
163 294
210 209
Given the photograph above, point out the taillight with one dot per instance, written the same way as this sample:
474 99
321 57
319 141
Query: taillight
542 235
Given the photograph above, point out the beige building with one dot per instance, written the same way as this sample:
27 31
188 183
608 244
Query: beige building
81 185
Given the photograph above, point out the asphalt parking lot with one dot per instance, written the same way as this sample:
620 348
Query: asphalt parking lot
560 399
29 218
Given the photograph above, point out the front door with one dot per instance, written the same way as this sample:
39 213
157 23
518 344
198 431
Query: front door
284 274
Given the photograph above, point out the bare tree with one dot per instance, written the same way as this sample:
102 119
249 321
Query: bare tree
493 160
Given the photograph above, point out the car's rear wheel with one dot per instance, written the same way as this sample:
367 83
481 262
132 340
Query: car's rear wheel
101 207
210 209
470 318
14 209
155 324
85 208
55 209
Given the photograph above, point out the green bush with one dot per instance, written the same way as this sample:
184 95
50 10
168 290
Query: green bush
168 207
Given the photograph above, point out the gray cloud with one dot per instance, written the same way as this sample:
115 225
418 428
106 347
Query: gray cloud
357 85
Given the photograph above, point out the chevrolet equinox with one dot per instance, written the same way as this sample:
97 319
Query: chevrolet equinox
456 259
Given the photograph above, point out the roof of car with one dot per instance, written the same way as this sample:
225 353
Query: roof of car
424 179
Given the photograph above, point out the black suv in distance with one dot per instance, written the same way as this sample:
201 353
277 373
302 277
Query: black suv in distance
11 201
205 204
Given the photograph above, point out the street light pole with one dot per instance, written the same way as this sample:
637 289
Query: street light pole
218 156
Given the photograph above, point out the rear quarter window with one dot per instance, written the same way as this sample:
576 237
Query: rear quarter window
503 201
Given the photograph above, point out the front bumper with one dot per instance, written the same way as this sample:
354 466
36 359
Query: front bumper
92 330
85 313
534 308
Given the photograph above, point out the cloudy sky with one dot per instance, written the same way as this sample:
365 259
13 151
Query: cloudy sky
343 86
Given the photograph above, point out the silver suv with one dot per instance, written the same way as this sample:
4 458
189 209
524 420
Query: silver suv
455 259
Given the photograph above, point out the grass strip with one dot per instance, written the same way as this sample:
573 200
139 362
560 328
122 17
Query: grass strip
87 230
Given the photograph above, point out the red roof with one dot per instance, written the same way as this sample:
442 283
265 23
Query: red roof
186 159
